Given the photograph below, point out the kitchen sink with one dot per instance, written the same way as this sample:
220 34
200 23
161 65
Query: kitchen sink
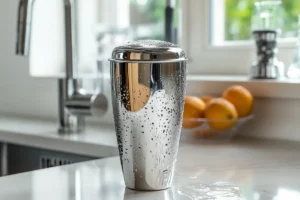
17 158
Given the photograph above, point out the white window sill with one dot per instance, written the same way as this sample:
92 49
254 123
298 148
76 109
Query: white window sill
283 43
215 85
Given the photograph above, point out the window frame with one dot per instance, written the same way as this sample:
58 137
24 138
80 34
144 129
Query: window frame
233 58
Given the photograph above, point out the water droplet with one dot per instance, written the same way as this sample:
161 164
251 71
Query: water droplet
215 191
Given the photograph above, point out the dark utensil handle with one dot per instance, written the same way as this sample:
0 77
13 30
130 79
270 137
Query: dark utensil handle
169 20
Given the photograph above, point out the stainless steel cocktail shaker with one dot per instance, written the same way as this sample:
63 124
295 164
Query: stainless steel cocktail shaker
148 81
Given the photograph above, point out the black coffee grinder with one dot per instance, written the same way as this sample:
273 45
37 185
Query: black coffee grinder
265 32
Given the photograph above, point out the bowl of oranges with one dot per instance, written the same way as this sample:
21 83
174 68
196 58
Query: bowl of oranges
218 117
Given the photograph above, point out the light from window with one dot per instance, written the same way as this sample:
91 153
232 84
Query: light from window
147 19
231 19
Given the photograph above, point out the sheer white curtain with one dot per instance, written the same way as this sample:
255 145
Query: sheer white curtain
47 56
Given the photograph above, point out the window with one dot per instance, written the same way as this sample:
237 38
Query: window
104 24
214 47
231 20
212 32
147 19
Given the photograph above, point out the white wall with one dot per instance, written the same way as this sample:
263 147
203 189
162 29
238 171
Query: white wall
15 82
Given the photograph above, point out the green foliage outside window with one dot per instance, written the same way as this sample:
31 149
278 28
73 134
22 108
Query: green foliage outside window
239 14
152 12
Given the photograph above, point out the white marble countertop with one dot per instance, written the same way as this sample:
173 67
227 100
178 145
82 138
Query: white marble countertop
97 141
251 169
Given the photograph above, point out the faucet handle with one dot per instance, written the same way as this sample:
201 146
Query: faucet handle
87 105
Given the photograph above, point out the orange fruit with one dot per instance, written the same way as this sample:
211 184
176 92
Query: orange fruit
220 114
193 109
241 98
206 99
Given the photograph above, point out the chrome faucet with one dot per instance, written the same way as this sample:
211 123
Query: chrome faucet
74 103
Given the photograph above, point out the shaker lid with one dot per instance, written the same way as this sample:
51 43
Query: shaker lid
148 51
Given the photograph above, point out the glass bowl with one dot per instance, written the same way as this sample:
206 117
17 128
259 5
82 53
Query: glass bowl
201 128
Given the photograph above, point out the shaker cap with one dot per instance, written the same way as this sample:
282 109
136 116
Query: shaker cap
148 51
